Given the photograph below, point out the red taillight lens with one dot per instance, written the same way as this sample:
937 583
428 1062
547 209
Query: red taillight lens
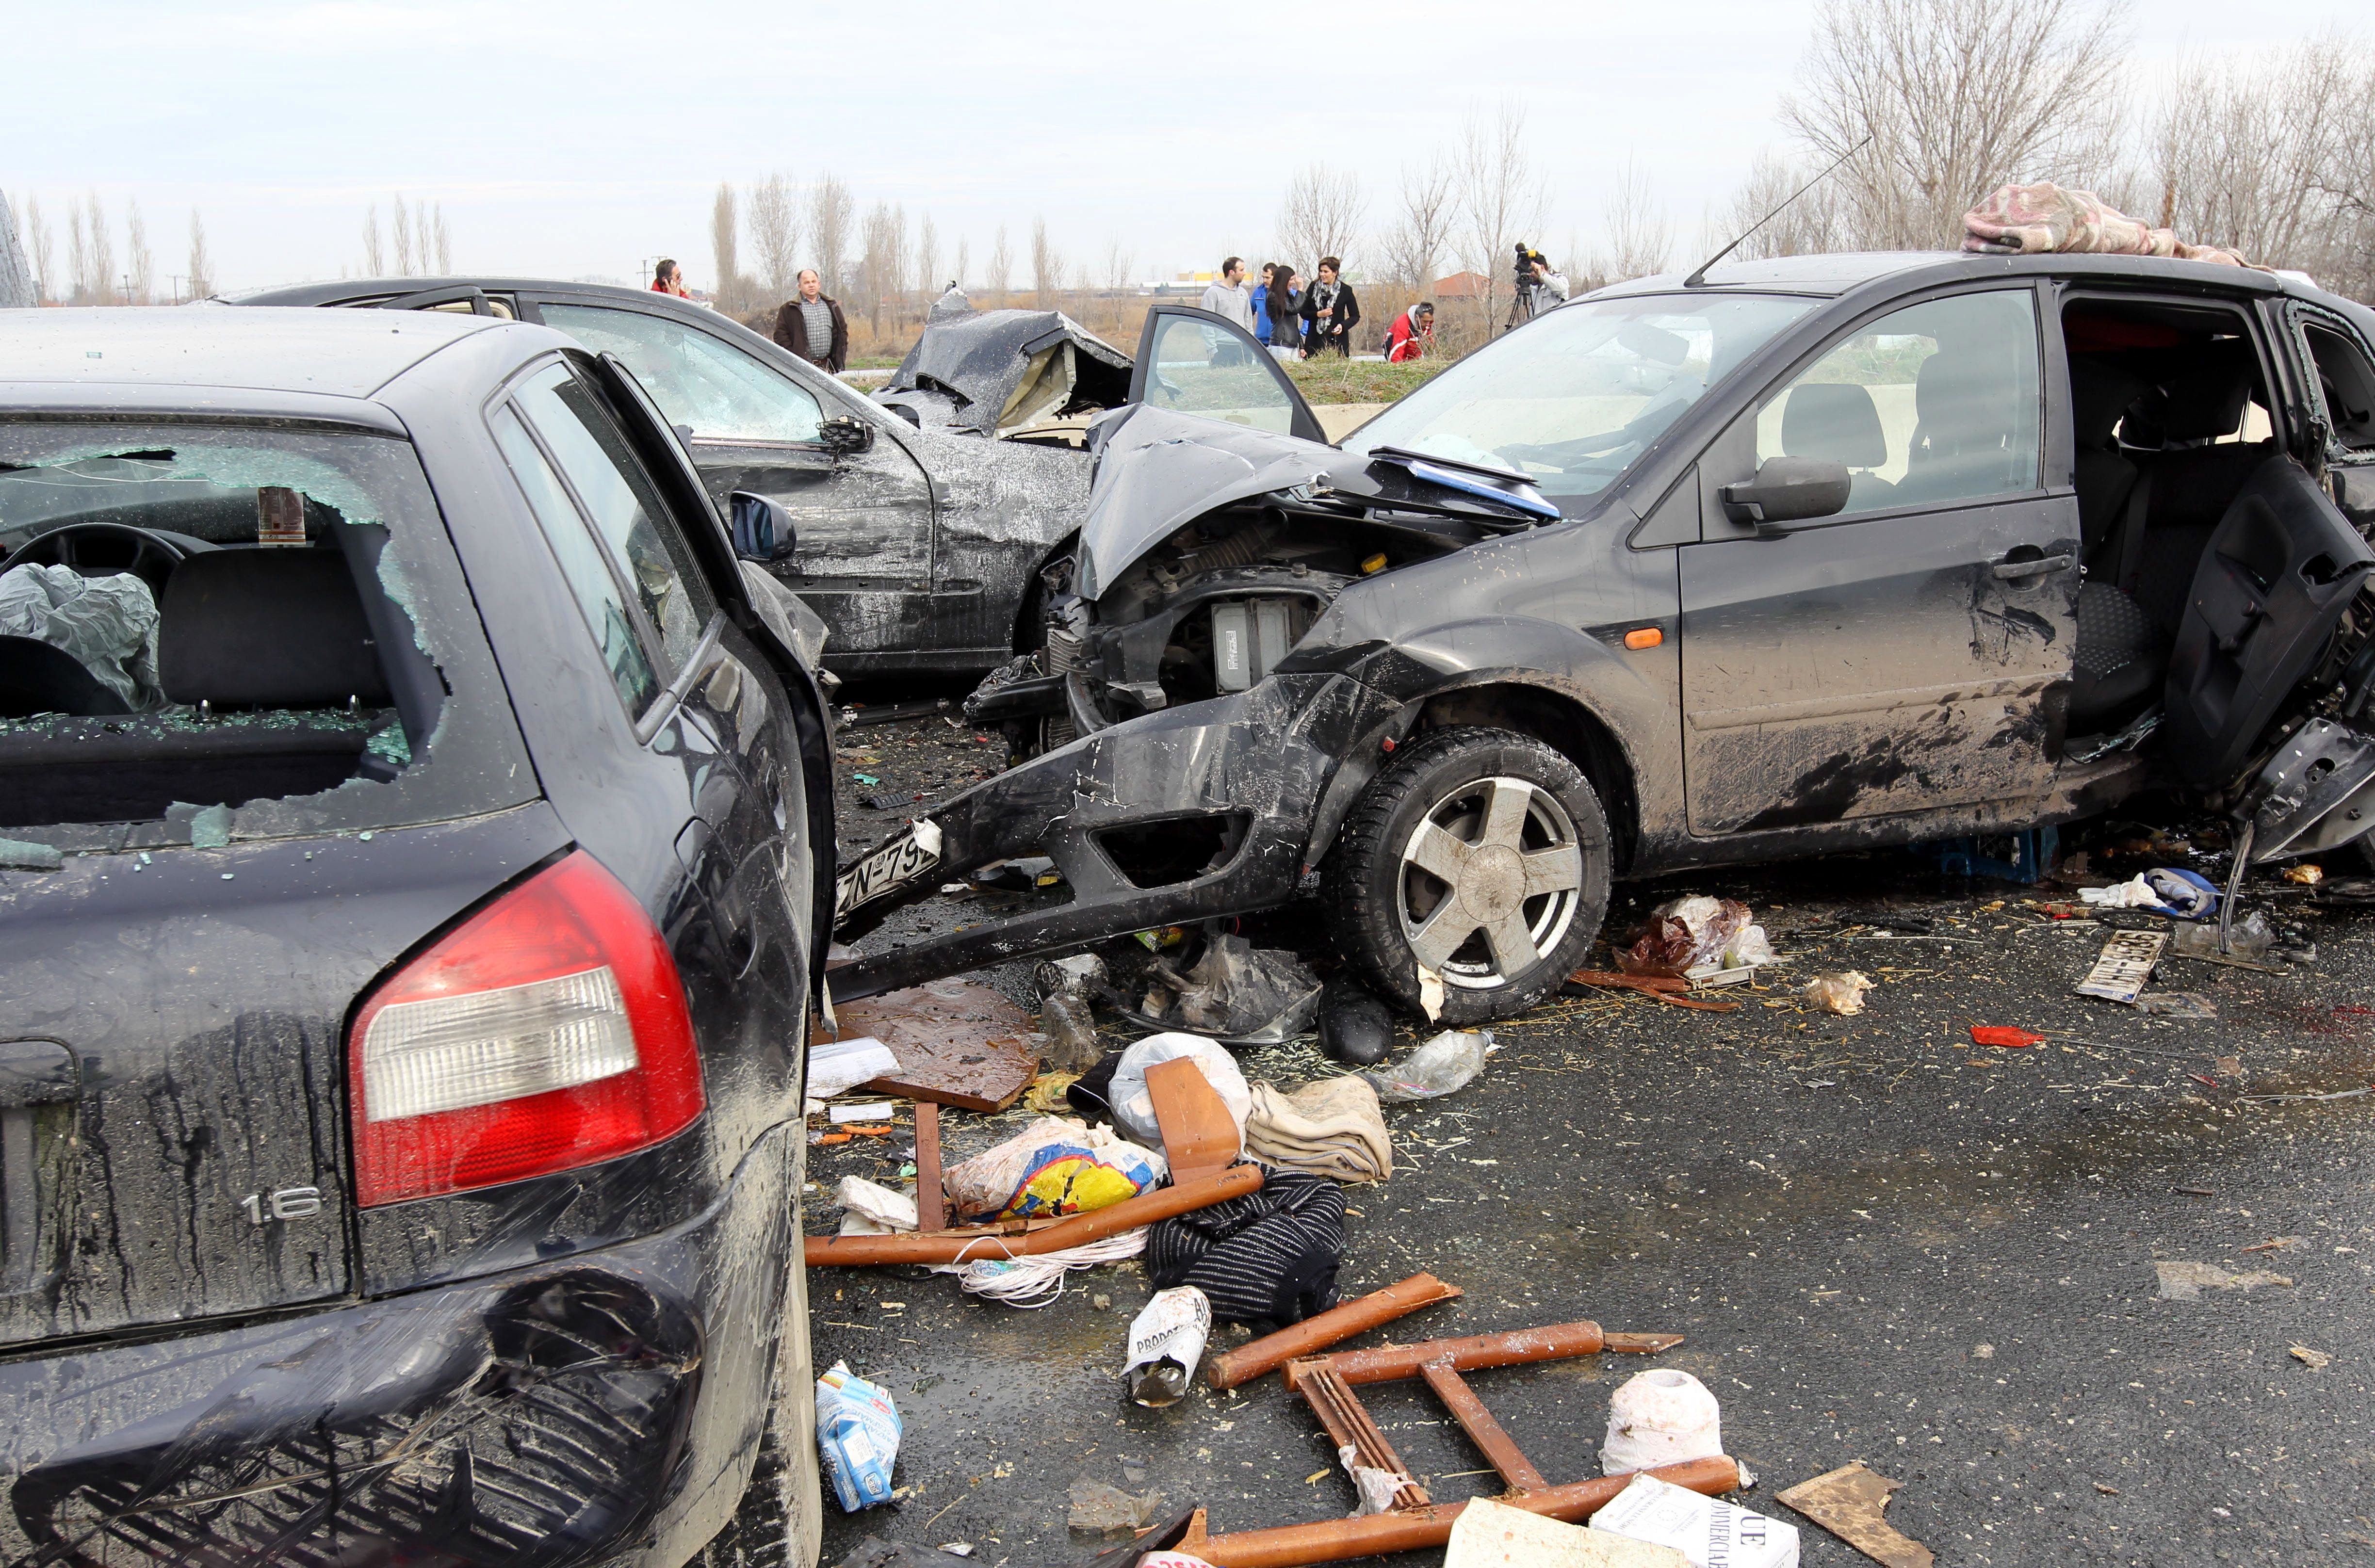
547 1032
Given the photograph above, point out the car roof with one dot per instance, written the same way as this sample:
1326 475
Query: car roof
332 353
358 291
1835 275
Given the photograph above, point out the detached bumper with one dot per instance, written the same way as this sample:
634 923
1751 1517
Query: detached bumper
597 1409
1248 770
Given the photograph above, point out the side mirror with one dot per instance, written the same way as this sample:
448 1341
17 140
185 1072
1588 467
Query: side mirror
762 531
845 432
1789 490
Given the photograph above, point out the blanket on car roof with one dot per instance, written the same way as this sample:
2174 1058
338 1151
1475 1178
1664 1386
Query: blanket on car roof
2031 219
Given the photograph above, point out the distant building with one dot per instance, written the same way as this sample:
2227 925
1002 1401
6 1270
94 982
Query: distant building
1462 286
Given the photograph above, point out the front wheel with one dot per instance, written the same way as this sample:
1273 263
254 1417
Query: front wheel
1480 857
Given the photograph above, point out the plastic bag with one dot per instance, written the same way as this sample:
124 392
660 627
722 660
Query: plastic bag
2167 890
1841 992
871 1211
1660 1417
1133 1108
836 1066
1054 1167
2250 937
1690 932
858 1436
109 624
1442 1065
1237 992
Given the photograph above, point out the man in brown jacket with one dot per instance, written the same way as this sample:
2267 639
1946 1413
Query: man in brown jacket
813 328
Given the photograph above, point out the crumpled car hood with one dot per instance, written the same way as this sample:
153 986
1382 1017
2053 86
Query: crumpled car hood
994 370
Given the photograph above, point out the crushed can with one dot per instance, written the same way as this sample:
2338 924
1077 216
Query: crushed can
1166 1340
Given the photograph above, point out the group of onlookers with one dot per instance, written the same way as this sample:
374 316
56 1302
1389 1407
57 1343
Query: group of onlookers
1290 318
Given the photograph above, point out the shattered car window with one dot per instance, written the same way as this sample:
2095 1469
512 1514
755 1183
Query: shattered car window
1571 400
212 632
719 392
1937 402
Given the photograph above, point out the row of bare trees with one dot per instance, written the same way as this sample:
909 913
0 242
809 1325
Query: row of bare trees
91 274
417 242
1933 103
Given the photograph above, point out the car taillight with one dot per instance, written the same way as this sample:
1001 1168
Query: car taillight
547 1032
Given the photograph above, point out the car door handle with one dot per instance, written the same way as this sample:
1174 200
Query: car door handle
2015 565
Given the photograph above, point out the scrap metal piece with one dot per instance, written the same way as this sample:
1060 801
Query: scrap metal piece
1520 1346
958 1043
1333 1326
1000 1242
1847 1502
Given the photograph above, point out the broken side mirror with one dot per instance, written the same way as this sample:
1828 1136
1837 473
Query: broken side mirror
1789 490
845 433
762 530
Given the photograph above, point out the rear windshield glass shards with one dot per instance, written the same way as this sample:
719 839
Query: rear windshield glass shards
228 632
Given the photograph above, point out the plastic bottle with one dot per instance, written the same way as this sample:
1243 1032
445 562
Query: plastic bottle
1072 1033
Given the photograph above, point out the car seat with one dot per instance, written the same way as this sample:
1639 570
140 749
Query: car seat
1838 422
1963 407
2120 658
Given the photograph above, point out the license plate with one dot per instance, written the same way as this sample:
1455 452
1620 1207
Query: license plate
2126 963
884 871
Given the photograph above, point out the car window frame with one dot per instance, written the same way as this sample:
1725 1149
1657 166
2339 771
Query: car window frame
2299 316
674 684
698 441
1741 430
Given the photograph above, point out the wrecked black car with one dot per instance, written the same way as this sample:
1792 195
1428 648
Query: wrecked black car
919 523
1820 553
409 818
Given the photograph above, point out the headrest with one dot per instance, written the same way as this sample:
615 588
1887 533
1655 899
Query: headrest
2206 402
2099 393
1961 398
1838 422
260 628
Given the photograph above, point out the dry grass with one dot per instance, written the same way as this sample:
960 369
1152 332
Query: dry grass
1332 380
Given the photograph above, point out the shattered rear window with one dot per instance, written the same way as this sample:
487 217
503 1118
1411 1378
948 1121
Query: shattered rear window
214 632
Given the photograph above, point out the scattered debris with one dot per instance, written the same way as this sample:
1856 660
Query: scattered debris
2011 1037
958 1043
1267 1258
1840 993
2306 876
1490 1534
2250 937
1333 1326
1031 1239
1072 1030
2125 964
2314 1359
1100 1508
2182 1282
1235 993
2190 1006
1132 1107
872 1552
2338 1095
836 1066
2165 890
1692 933
2275 1243
1037 1281
858 1435
1705 1531
1054 1166
1202 1136
872 1210
1079 975
1166 1340
1663 1416
1444 1063
1332 1127
866 1111
1847 1502
1354 1027
16 855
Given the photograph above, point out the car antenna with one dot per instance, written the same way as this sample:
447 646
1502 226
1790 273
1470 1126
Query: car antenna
1698 274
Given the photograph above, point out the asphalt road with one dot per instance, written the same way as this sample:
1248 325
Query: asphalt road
1883 1242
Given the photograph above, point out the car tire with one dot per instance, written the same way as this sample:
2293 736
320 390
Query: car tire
1408 860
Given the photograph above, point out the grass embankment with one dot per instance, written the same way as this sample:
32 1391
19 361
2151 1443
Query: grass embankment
1332 380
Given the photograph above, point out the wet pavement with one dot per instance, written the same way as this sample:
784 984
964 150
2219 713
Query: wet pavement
1882 1243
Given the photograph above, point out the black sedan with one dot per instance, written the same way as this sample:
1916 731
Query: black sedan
410 812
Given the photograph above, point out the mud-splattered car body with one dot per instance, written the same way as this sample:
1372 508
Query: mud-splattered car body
920 538
2063 500
263 1298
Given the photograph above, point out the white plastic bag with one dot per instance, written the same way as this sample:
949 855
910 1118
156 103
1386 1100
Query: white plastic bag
1133 1108
836 1066
1056 1165
872 1210
1660 1417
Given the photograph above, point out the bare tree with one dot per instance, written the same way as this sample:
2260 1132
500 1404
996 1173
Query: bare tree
882 268
832 210
139 263
202 264
77 256
775 232
95 274
1501 202
725 246
1415 247
374 264
2243 154
1002 267
1321 214
1814 222
1046 265
402 226
964 261
1954 98
17 287
42 250
1640 237
444 245
1118 263
2350 183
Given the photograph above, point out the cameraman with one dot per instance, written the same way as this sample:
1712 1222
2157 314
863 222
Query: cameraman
1538 289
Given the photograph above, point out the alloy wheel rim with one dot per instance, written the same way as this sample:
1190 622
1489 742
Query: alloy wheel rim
1489 881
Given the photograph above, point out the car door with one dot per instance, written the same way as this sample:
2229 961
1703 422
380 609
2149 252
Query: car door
1910 652
1195 362
864 517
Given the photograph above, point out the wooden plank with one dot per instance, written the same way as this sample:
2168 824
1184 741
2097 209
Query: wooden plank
958 1044
1199 1137
1483 1429
931 1198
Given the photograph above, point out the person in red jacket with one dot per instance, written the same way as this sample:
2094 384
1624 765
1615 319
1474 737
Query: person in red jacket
1412 334
667 279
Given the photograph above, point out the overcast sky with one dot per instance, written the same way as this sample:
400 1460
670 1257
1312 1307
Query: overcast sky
582 139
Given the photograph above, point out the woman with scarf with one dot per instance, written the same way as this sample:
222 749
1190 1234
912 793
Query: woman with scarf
1330 312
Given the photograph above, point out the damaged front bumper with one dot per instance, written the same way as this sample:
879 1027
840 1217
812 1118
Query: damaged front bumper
1198 810
598 1409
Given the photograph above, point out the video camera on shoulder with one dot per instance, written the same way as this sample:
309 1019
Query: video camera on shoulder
1527 258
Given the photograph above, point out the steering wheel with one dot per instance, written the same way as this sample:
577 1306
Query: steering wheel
99 549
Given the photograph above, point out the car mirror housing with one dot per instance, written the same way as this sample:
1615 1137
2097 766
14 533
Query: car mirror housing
846 433
1789 490
762 530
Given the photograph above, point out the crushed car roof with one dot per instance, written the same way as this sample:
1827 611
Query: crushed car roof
335 353
1001 366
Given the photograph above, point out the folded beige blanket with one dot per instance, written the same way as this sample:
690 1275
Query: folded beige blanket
1329 1129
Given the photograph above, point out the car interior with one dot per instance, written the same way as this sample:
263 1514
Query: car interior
177 643
2170 414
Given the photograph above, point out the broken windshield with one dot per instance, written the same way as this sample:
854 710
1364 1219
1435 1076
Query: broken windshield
226 631
1572 399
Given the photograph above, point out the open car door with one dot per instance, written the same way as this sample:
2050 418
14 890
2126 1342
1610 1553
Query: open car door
1192 361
